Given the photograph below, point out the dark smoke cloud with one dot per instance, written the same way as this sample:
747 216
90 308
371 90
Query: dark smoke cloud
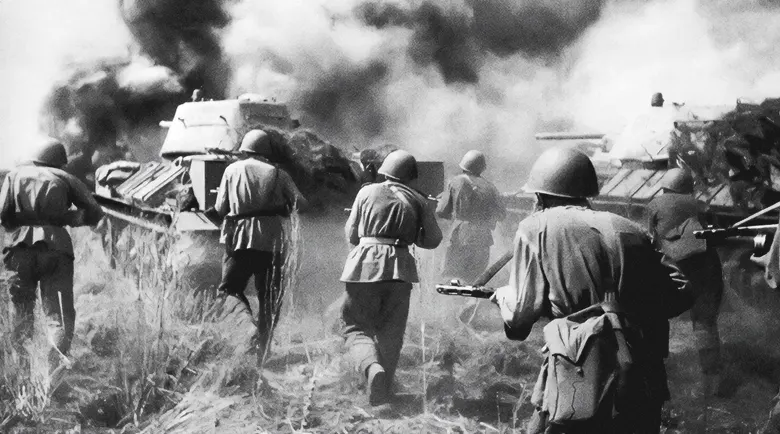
535 28
349 98
182 35
456 40
106 110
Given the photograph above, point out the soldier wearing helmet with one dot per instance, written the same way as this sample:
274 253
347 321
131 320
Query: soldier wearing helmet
567 258
475 205
386 218
254 197
671 219
35 207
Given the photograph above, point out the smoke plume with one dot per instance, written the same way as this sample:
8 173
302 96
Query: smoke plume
436 77
458 39
182 35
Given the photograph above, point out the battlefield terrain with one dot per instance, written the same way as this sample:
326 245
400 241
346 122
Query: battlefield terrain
151 355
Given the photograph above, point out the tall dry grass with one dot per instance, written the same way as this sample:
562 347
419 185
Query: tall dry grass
169 330
26 382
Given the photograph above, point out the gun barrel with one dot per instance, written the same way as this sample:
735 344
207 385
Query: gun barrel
569 136
732 232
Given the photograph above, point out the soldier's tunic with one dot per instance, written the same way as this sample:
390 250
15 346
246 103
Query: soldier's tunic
566 259
35 205
386 219
255 244
672 218
475 206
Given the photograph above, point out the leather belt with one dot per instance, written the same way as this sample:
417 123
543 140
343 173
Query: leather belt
383 241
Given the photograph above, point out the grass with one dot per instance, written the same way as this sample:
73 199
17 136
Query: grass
26 385
155 351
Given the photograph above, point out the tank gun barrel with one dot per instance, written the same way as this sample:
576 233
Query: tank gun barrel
569 136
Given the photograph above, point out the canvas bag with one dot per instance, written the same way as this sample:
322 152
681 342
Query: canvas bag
589 364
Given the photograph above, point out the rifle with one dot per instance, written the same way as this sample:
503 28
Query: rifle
478 289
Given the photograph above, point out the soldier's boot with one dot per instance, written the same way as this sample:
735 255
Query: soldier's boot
376 384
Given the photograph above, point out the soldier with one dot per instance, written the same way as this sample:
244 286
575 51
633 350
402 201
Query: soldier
253 198
671 220
35 207
567 257
475 205
386 218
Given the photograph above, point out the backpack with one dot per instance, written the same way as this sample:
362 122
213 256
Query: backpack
592 360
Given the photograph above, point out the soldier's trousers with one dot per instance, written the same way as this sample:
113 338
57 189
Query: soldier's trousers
705 274
266 267
374 317
28 266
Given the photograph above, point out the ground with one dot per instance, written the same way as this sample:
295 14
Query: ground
150 356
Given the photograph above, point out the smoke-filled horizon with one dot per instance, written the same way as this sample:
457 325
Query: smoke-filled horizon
435 77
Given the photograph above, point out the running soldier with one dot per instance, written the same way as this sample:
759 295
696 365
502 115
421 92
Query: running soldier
253 199
386 218
671 220
567 258
475 205
35 207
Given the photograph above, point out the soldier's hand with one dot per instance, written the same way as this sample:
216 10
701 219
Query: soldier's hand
762 261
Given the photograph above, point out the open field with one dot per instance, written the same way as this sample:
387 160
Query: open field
151 356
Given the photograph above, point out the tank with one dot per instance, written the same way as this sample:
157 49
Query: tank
729 150
168 199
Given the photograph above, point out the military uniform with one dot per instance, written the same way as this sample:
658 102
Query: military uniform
566 258
475 206
672 218
35 205
386 219
253 197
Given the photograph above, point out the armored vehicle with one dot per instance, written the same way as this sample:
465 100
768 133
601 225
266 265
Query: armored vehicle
729 149
171 196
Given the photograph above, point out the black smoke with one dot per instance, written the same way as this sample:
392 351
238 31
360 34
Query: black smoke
105 111
457 40
183 35
346 99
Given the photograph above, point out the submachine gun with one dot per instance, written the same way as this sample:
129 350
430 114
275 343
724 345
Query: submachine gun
477 289
759 237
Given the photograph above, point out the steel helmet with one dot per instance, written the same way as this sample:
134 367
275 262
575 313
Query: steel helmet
657 100
474 162
563 172
50 152
399 165
256 142
678 180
